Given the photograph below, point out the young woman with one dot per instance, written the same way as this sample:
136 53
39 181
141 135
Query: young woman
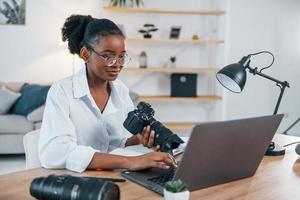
84 114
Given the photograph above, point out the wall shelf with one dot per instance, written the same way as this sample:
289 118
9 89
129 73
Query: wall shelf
174 41
162 11
180 125
198 70
179 99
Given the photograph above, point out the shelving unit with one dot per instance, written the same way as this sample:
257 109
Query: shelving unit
180 125
208 69
178 99
162 11
199 70
174 41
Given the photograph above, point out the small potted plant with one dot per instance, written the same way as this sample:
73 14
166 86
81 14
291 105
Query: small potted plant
176 190
148 28
124 3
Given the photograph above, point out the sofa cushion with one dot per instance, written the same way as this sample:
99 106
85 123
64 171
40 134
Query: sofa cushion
11 144
37 114
13 86
32 96
7 99
37 125
14 124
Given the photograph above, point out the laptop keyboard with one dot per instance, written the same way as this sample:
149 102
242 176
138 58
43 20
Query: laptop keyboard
162 179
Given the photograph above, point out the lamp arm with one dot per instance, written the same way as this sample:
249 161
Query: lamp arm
291 126
279 98
281 84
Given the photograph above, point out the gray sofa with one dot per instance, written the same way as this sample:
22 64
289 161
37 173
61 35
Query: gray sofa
14 127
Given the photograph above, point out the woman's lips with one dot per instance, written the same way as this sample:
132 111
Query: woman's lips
114 73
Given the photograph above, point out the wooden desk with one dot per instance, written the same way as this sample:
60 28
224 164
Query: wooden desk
276 178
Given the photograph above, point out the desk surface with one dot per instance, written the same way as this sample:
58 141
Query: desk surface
276 178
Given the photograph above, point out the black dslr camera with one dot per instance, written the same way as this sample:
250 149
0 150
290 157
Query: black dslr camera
68 187
142 116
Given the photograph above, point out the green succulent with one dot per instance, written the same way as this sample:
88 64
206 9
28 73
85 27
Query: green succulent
123 3
176 186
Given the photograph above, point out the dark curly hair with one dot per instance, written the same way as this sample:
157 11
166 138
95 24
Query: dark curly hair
84 30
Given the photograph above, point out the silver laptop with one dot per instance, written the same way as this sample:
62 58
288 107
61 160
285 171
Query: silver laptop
217 152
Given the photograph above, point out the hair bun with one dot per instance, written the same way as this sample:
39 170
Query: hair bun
73 31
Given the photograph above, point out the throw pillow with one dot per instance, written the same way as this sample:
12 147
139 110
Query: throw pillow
7 99
37 114
32 96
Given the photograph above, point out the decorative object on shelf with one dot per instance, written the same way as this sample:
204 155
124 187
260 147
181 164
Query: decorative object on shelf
12 12
175 32
195 37
125 3
183 85
176 190
148 28
143 59
172 61
233 77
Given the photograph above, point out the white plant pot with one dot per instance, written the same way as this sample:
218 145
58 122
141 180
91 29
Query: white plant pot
176 196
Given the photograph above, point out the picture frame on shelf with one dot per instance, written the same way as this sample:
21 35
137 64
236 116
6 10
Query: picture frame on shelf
12 12
175 32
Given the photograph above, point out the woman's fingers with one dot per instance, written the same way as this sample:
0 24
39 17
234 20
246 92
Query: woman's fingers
154 159
173 160
156 148
151 139
148 136
161 165
146 133
167 159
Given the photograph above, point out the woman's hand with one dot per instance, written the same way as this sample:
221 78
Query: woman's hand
147 137
153 159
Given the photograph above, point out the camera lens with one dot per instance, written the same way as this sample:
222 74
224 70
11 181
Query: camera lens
36 186
67 187
52 186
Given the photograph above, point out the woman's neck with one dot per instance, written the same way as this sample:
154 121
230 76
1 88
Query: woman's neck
95 83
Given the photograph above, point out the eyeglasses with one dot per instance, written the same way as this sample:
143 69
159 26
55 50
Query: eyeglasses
109 60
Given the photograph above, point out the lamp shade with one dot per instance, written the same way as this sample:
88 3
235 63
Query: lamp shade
233 77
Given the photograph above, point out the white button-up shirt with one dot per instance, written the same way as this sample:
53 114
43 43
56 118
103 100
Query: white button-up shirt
74 128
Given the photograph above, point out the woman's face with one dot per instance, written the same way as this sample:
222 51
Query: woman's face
105 60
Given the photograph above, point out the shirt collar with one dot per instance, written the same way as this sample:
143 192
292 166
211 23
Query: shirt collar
80 84
81 88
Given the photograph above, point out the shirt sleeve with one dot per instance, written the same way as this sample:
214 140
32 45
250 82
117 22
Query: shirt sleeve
58 146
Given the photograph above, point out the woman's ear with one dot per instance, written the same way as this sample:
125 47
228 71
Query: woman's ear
84 54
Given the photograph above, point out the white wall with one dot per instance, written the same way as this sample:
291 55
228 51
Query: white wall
32 53
272 25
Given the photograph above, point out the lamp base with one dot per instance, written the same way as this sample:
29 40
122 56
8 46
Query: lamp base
275 150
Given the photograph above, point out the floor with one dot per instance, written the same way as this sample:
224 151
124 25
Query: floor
11 163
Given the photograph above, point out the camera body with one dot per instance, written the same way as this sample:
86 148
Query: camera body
66 187
142 116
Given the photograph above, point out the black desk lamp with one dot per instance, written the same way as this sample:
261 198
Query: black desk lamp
233 77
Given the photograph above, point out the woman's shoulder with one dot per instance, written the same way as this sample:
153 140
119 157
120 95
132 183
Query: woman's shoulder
62 85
